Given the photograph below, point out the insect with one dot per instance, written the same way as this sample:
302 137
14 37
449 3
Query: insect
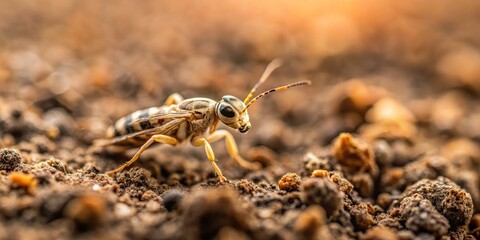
194 120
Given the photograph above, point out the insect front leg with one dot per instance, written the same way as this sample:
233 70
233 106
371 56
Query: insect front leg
155 138
174 99
210 155
232 149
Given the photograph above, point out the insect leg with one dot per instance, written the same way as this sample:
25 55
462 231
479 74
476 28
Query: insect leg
174 99
232 148
155 138
211 156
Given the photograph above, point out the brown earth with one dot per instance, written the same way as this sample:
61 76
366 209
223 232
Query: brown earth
383 145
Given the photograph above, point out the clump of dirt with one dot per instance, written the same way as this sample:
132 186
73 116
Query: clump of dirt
290 182
136 181
419 215
324 193
438 207
208 212
447 197
9 159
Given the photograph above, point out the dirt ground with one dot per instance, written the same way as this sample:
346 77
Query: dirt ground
385 144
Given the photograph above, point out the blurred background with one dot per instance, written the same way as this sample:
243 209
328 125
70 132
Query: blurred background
98 61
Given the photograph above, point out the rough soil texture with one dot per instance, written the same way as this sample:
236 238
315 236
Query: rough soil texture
383 145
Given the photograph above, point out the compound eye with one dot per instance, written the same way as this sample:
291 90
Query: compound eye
227 111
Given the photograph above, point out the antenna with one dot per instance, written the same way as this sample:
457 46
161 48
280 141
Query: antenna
281 88
274 64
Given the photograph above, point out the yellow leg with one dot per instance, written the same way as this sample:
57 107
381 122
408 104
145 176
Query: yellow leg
174 99
232 149
155 138
210 155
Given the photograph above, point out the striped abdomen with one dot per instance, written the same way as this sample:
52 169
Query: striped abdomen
138 121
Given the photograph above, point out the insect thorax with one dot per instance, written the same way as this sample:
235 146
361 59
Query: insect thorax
203 110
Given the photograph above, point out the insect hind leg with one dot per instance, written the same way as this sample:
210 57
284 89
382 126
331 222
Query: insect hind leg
155 138
174 99
233 149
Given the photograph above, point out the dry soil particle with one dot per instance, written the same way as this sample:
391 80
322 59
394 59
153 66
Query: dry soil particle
380 233
323 192
362 217
446 201
419 215
312 162
312 224
354 155
353 158
9 159
290 182
206 212
136 181
427 167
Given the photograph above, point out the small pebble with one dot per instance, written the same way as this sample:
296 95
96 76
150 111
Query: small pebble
123 211
172 199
